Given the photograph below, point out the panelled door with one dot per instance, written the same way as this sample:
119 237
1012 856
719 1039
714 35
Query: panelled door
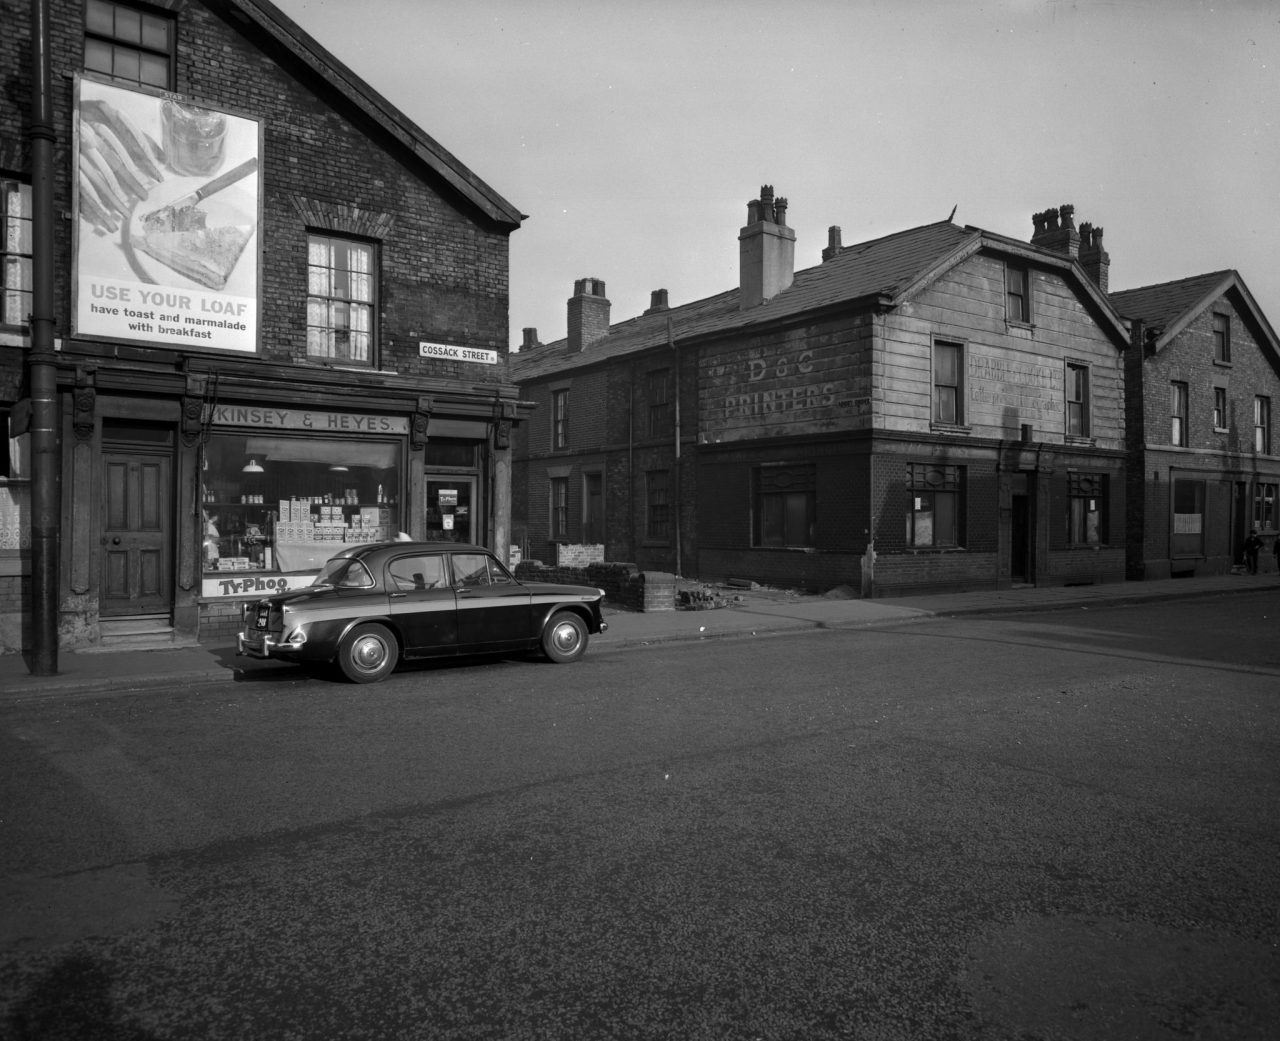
137 570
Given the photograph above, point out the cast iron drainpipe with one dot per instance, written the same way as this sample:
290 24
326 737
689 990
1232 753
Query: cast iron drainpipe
46 470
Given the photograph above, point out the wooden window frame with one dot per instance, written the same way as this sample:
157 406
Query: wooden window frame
332 289
560 418
1222 339
1179 413
956 388
928 485
121 43
15 252
1017 297
781 492
1077 391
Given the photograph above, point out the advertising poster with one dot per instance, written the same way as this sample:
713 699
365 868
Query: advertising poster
167 199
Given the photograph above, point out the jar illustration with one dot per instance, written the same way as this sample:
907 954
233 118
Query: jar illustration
195 139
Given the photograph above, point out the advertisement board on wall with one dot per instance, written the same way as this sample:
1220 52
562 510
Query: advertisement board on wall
166 205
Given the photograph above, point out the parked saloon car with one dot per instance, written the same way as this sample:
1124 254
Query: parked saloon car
376 603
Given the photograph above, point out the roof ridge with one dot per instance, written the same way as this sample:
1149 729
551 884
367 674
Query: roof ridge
1185 280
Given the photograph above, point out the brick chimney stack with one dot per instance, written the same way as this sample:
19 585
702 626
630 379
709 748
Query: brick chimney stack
1055 229
588 314
766 250
530 340
1095 260
657 301
834 245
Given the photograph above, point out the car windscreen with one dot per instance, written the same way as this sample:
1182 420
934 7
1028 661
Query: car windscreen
344 573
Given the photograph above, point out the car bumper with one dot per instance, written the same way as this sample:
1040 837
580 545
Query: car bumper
258 645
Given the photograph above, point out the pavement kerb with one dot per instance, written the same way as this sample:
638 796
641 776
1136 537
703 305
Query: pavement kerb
152 669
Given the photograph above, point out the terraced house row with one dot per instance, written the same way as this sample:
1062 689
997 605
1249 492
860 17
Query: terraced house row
943 408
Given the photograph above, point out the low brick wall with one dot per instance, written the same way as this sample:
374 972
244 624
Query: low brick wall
624 585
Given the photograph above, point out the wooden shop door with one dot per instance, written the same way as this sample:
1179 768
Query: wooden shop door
137 569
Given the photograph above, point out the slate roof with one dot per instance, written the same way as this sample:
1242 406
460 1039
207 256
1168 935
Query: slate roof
1169 307
288 34
1160 306
883 267
884 270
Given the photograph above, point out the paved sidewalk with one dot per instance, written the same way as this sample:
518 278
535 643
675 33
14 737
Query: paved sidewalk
748 613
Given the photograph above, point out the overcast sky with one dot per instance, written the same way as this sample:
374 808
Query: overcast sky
634 133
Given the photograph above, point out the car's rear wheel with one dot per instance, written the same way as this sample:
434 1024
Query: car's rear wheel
565 638
368 653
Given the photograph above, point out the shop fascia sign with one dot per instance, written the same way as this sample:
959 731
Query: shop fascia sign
263 416
450 352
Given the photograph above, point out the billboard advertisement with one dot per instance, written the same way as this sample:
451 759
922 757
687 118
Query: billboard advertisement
166 207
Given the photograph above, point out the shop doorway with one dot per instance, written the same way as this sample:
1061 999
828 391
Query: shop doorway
452 510
137 527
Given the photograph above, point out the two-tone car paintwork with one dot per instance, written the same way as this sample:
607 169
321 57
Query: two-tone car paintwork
434 599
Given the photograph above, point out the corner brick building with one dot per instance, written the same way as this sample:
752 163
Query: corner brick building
938 409
311 354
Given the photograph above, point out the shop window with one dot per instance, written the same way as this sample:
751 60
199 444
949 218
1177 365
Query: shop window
559 507
657 497
288 504
1264 506
1077 400
1188 518
659 394
1222 339
1262 425
129 44
1219 408
560 419
1178 414
933 505
1017 294
1087 510
15 252
948 397
341 289
786 506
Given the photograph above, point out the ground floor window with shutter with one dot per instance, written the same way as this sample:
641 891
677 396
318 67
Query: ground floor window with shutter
785 505
934 505
1188 517
1087 510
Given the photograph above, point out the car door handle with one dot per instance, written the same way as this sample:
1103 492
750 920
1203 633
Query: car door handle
397 596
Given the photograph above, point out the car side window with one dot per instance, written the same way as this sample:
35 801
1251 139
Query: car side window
356 576
471 569
417 572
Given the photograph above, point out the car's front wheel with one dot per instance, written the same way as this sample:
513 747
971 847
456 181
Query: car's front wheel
565 638
368 653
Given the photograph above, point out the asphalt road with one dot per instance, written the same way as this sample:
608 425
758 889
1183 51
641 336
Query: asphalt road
1054 826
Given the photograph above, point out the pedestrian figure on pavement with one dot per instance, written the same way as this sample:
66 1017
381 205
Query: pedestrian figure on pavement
1251 547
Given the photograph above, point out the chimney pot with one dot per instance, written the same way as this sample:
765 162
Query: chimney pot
530 339
1055 229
